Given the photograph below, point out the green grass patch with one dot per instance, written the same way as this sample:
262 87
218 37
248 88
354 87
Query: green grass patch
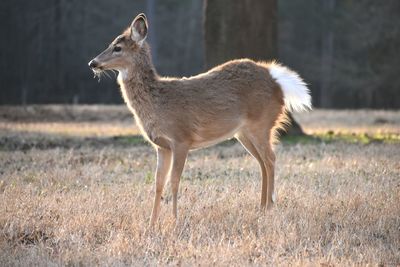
329 137
130 140
362 138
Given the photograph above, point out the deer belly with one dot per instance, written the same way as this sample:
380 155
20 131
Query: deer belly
213 135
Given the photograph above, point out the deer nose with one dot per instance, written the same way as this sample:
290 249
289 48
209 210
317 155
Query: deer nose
93 64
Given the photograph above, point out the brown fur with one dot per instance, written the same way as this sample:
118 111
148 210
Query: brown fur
236 99
204 107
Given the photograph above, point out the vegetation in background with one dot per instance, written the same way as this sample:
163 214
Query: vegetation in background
347 51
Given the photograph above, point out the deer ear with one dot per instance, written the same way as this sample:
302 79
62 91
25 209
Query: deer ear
139 29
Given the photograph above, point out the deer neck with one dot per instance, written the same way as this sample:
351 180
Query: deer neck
137 83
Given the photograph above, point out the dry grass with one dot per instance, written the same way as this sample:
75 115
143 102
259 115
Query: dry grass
87 202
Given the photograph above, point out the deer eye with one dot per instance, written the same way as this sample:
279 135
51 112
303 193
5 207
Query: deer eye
117 49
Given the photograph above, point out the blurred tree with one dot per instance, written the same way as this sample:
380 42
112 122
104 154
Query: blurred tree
238 29
327 48
47 44
242 29
346 50
152 39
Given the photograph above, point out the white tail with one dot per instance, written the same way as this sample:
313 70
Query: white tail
296 94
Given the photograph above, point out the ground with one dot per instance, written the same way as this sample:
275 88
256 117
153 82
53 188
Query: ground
76 188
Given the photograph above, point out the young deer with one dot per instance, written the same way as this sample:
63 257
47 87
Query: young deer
243 99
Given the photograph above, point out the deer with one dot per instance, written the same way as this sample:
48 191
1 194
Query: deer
243 99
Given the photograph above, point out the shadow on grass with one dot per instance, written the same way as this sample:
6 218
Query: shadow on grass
42 142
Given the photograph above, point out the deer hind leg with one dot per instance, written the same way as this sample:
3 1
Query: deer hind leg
259 141
270 166
163 166
248 145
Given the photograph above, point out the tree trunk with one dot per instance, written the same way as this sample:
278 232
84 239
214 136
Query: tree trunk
327 54
151 16
242 29
238 29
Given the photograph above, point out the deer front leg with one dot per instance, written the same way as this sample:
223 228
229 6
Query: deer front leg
179 154
163 166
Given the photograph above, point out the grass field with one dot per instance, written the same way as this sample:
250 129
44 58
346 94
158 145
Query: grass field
76 188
